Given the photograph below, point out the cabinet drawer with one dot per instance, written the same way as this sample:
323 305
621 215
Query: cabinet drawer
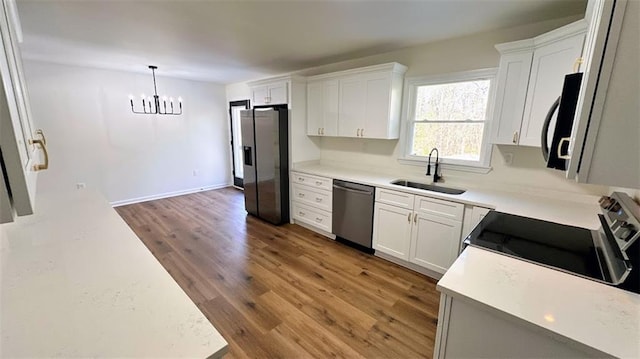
313 181
312 216
439 207
314 197
394 198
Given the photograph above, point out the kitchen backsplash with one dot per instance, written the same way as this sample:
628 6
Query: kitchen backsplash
526 172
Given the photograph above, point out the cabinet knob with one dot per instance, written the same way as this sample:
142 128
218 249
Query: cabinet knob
301 195
362 132
318 199
318 219
515 137
415 218
409 218
301 213
319 183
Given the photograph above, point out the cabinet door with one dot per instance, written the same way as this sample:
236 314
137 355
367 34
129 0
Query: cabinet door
434 242
352 106
378 100
550 65
472 216
259 95
392 230
277 93
16 128
315 105
330 107
511 94
478 214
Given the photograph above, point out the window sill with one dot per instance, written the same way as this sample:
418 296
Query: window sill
446 166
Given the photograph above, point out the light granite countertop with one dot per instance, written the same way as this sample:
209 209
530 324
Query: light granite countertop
77 282
586 312
570 209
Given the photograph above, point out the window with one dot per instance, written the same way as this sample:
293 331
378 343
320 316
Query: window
450 113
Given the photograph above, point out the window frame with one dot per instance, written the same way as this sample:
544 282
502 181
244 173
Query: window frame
409 106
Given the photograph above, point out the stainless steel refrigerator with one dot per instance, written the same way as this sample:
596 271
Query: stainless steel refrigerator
266 163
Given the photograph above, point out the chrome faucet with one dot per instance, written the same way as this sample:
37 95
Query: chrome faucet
436 177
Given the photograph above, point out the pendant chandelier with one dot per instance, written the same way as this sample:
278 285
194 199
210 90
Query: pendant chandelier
154 106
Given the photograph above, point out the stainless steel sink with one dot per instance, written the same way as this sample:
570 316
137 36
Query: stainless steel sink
428 187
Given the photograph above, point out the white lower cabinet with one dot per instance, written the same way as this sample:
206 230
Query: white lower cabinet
312 216
434 242
472 216
392 230
416 229
311 201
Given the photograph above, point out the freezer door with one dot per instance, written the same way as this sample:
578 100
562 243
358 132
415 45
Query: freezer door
268 165
249 162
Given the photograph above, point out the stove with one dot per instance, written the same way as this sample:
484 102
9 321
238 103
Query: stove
609 255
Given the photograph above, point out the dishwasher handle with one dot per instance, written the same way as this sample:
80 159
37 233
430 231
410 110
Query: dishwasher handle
352 190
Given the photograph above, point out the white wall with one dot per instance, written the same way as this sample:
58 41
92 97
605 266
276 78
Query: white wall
238 92
94 138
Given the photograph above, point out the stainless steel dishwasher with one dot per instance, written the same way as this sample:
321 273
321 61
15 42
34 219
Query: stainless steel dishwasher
353 213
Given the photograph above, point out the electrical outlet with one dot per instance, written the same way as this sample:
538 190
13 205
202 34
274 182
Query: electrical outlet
507 158
81 185
195 173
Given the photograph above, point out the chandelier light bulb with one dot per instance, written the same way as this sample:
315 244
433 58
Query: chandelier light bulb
151 105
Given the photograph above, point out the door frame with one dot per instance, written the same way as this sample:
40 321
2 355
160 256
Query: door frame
237 182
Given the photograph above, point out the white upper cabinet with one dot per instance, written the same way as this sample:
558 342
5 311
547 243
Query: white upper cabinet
23 147
511 95
552 60
605 146
378 107
530 80
322 108
361 103
270 93
352 105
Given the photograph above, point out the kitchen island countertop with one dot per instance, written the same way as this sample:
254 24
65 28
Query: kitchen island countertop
77 282
570 308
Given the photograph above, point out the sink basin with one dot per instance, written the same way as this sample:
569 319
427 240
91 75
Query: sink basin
428 187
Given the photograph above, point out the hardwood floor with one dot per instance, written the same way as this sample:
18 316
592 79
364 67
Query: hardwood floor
285 292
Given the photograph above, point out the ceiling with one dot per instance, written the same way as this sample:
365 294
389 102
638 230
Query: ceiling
231 41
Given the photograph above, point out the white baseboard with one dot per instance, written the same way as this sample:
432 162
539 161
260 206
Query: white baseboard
166 195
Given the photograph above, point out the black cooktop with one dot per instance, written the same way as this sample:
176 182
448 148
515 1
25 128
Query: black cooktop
551 244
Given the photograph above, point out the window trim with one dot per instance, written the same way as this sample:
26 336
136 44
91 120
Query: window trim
408 109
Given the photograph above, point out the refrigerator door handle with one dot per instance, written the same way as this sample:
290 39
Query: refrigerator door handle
545 130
